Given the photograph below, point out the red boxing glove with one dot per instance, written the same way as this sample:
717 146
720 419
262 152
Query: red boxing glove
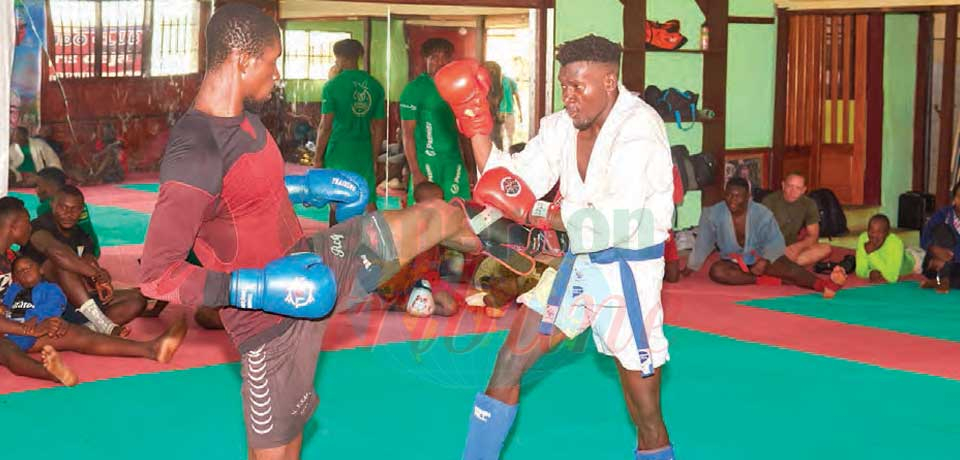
464 84
499 188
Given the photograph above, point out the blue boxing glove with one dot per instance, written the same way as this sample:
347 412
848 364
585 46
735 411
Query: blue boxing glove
298 285
321 186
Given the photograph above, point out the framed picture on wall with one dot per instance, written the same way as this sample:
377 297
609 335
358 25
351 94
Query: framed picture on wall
750 164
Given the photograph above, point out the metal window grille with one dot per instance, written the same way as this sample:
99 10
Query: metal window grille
309 54
175 37
106 38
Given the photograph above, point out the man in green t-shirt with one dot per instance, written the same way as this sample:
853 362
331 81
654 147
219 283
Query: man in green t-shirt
431 141
352 127
49 181
799 221
509 105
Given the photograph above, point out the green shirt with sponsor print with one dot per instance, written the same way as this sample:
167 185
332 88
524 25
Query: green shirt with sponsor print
354 98
436 136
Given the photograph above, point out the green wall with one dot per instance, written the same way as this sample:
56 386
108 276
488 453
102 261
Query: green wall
310 90
399 61
751 80
899 79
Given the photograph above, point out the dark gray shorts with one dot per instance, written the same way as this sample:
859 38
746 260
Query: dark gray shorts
278 384
361 253
278 373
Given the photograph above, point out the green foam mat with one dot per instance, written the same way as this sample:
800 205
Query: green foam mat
151 188
723 399
901 307
115 226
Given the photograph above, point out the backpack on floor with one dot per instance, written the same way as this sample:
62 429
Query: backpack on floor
833 222
915 209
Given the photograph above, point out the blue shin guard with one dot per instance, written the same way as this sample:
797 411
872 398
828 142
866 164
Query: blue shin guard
663 453
489 424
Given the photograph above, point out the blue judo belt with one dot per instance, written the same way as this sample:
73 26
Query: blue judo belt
632 298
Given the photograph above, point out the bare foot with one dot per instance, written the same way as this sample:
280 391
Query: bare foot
120 331
168 343
838 276
941 287
54 365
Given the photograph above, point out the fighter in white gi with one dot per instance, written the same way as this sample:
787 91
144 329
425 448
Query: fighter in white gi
609 150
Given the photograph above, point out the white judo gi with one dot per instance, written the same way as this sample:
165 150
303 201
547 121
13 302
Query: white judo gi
625 202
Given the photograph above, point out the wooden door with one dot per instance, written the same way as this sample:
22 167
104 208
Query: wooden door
825 132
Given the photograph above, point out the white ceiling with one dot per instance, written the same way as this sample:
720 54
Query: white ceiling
296 9
855 4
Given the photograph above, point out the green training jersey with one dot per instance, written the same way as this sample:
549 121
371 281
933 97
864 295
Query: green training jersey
354 98
436 135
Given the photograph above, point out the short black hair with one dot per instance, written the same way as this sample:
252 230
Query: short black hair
9 206
19 258
590 48
72 191
54 175
433 45
881 217
427 187
956 188
238 26
738 182
348 48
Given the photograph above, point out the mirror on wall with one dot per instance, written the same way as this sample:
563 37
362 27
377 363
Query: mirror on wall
392 35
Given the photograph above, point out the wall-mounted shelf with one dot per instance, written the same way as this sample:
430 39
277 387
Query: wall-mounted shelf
689 51
714 97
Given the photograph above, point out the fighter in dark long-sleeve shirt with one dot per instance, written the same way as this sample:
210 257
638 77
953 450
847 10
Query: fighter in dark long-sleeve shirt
222 194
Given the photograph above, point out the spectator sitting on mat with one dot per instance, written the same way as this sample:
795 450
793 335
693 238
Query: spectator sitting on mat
881 256
30 322
63 252
49 182
751 246
29 155
940 237
799 221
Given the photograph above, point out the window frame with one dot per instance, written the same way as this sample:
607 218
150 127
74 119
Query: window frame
101 36
309 56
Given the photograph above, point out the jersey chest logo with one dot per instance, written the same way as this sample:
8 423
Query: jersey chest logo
361 99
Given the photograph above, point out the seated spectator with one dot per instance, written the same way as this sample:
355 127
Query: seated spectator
31 323
395 292
799 221
881 256
29 155
63 251
751 246
45 133
49 182
940 237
